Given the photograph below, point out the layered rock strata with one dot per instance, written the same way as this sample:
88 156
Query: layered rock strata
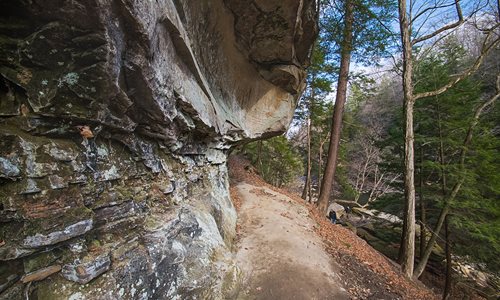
115 121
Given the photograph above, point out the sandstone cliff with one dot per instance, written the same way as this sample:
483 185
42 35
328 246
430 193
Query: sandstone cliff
115 121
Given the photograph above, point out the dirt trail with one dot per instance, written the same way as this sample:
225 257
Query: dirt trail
280 255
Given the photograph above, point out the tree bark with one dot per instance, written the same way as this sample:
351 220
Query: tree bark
449 270
345 60
447 285
423 221
320 164
307 185
407 248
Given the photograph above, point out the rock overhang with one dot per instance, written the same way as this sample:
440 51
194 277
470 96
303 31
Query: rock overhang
115 120
234 68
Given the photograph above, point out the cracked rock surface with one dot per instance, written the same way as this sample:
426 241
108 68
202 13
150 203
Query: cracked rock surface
116 117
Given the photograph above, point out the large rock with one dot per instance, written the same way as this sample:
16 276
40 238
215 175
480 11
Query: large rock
115 121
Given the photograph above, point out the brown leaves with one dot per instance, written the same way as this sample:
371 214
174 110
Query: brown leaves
24 110
235 197
85 131
286 215
341 241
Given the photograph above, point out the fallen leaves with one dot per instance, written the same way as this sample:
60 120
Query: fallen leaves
85 131
286 215
235 197
340 240
24 110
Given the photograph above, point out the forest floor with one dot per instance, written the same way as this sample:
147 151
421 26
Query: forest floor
287 250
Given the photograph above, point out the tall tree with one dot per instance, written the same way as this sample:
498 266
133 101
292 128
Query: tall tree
410 37
341 94
362 32
306 192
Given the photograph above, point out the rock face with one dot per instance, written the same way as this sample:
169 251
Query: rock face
115 122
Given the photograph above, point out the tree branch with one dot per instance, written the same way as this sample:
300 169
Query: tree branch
428 9
459 22
484 51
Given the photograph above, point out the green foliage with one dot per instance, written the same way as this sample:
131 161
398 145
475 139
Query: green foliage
372 34
315 108
443 121
319 84
278 163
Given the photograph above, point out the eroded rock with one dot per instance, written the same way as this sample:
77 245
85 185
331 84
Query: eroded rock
9 252
137 204
40 240
85 272
8 169
40 274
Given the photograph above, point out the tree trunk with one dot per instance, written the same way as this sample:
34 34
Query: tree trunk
407 248
345 60
307 185
430 244
320 164
441 153
423 221
449 270
447 285
306 192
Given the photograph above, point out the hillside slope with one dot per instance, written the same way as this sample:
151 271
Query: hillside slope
288 251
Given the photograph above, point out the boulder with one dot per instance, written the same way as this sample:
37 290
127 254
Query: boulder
337 208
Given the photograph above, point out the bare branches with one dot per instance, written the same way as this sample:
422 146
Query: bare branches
475 120
486 47
430 9
453 25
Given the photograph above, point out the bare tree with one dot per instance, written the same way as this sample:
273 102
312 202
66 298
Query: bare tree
412 25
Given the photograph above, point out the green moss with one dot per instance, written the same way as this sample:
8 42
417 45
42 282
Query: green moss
95 243
8 190
41 260
152 223
11 231
53 289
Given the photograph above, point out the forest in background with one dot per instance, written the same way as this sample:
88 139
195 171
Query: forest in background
442 76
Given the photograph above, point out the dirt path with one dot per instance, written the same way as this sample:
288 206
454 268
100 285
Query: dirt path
280 255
